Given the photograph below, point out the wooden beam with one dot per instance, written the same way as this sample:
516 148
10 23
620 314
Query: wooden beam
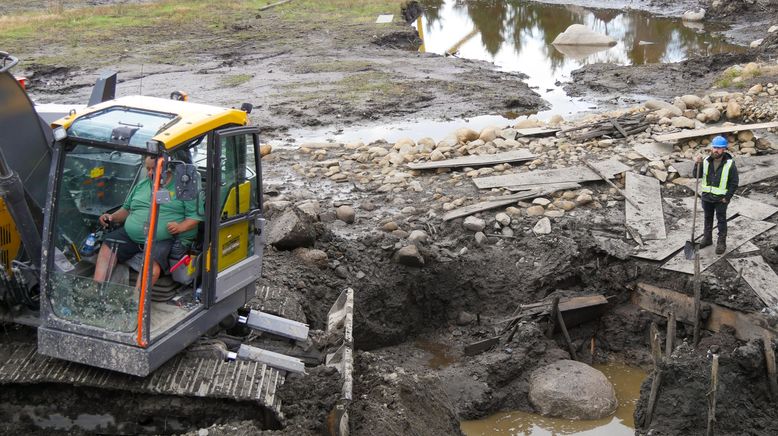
661 301
760 276
481 346
472 161
713 131
577 174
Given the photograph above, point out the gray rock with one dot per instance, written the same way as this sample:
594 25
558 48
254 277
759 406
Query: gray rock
542 227
474 224
312 256
503 218
418 236
290 230
465 318
572 390
481 239
409 256
347 214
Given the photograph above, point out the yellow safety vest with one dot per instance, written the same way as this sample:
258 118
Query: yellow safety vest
721 189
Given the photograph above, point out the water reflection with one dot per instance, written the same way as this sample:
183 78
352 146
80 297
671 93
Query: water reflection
626 382
517 36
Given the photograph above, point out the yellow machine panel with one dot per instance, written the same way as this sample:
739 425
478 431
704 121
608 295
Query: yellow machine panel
232 245
9 238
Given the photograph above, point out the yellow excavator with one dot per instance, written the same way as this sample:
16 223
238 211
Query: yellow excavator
56 182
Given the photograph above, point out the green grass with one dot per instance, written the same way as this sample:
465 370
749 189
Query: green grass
97 36
726 79
235 80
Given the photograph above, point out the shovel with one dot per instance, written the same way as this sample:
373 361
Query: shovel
688 248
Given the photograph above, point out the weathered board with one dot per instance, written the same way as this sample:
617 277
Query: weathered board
649 220
748 247
756 210
537 131
609 167
654 150
492 204
472 161
760 276
739 231
554 187
713 131
660 301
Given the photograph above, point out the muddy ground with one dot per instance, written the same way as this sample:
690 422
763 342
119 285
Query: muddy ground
412 323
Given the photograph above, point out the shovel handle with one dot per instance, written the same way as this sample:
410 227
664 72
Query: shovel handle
696 193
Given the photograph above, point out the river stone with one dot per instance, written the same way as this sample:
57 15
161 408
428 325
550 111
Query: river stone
409 256
572 390
692 101
535 210
347 214
668 108
311 256
733 109
418 236
683 123
465 135
292 229
578 34
474 224
542 227
710 115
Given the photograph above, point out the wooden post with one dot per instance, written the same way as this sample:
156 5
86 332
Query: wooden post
714 385
652 397
670 334
769 355
656 344
697 298
552 318
561 322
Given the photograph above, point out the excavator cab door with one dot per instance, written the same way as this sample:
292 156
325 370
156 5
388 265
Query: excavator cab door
234 255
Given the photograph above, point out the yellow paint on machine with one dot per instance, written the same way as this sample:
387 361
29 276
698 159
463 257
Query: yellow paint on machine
233 239
10 242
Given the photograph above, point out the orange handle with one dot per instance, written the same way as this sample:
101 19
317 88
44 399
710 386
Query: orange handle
147 254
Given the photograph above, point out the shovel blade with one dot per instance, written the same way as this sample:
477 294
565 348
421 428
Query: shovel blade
688 250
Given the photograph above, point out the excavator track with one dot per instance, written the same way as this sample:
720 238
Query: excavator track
183 376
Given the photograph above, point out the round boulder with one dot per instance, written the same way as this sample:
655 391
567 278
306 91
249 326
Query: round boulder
572 390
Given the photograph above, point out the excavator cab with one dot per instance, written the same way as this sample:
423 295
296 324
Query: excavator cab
168 155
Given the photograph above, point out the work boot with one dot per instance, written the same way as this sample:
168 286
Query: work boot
721 245
707 239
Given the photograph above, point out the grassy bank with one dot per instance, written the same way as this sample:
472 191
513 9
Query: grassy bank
57 34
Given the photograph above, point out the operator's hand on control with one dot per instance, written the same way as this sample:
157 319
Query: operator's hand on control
105 220
724 200
175 228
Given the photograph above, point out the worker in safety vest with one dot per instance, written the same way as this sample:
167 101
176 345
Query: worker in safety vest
718 184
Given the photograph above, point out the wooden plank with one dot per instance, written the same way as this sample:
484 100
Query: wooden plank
537 131
748 247
487 205
739 231
661 301
554 186
654 150
575 310
609 167
713 131
649 220
481 346
756 210
760 276
472 161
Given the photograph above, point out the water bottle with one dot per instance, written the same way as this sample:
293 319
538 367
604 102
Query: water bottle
88 248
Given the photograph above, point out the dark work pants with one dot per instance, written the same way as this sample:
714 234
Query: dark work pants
721 216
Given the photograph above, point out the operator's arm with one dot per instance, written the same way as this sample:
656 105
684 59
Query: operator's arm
187 224
117 217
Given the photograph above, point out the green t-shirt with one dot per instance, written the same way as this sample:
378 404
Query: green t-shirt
139 205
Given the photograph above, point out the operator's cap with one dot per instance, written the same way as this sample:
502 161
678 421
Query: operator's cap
719 142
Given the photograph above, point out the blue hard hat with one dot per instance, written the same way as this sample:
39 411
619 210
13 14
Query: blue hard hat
719 142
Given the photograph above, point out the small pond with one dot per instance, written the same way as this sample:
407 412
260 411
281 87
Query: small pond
626 381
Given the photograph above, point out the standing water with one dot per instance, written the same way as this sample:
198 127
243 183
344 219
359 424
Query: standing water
626 381
516 36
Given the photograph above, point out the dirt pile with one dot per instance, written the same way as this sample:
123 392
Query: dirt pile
743 399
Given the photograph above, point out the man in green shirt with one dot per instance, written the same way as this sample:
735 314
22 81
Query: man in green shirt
177 219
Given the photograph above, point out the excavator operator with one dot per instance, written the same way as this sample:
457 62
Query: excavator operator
178 218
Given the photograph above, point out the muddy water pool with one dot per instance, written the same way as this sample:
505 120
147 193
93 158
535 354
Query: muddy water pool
626 381
516 36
